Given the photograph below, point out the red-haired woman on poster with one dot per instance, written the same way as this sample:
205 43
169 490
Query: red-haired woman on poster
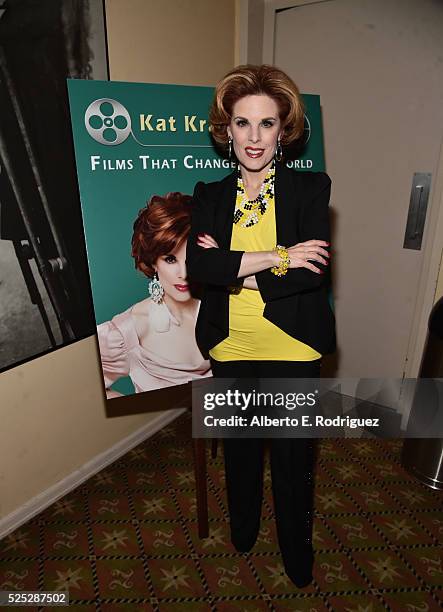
153 341
265 230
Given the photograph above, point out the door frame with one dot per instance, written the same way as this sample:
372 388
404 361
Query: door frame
432 245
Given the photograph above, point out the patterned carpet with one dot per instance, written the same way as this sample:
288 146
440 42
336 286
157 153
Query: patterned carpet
127 539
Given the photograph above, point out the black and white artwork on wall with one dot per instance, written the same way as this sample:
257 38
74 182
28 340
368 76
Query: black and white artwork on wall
45 297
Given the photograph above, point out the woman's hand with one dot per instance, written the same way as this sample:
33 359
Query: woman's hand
250 282
206 241
303 253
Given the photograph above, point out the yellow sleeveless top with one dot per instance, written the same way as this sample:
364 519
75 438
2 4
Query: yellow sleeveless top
251 336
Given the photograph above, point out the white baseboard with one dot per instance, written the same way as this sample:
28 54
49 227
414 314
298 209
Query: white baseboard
41 501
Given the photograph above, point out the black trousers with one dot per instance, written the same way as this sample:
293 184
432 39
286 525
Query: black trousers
292 465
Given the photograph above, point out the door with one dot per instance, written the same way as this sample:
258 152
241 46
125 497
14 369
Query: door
378 67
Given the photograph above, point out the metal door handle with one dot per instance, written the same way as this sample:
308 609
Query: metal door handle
417 213
418 204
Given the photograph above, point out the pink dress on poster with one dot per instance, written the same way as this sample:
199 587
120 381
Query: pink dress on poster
149 368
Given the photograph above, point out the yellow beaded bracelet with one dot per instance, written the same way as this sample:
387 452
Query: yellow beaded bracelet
285 260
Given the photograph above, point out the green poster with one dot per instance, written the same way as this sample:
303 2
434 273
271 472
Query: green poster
134 140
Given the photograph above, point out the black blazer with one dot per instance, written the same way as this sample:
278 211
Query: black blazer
297 302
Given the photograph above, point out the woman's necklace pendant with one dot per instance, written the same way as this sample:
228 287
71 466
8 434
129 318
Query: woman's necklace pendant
249 212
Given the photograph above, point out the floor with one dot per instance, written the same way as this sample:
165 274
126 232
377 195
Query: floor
127 538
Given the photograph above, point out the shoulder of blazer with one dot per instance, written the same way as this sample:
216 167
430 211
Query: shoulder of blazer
310 183
297 189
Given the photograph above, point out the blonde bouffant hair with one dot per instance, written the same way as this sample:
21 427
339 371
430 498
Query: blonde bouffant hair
249 80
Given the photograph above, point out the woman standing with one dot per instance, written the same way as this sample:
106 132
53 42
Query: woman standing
259 244
153 341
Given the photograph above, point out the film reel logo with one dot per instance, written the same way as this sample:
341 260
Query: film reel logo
107 121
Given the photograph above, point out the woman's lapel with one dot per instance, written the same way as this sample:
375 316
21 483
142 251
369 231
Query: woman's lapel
285 205
225 210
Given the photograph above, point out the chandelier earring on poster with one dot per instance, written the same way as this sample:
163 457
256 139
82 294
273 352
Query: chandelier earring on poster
156 289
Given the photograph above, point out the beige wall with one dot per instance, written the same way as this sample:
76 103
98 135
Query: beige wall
53 414
256 10
180 41
53 422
